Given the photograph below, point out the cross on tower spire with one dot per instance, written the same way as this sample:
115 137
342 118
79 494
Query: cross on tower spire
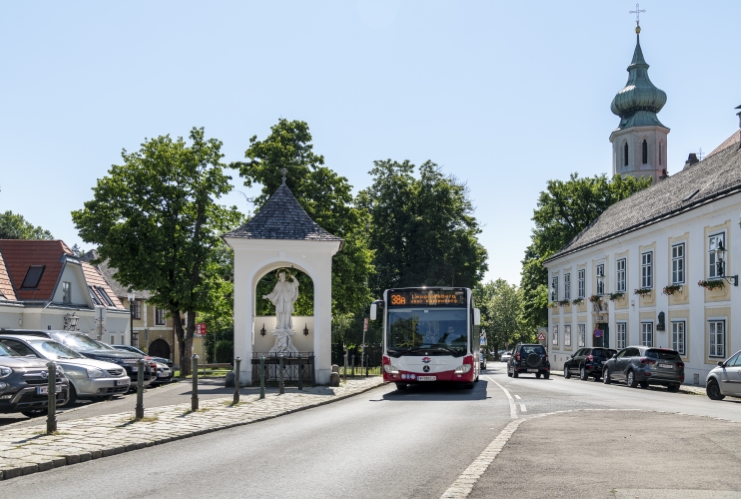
283 172
637 12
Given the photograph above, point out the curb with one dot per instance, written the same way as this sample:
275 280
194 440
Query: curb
681 387
54 462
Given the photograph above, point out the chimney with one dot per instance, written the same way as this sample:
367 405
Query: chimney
691 160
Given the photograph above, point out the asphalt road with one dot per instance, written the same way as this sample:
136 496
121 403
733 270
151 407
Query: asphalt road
383 443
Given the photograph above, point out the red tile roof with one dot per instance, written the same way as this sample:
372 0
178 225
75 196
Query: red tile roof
19 255
95 279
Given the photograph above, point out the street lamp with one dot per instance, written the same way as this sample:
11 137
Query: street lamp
131 296
720 264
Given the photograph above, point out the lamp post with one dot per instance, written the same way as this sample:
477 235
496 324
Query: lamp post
720 264
131 296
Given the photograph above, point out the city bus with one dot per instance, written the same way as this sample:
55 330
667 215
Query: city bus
430 334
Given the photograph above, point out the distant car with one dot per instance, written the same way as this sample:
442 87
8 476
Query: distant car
129 348
529 358
164 374
725 379
89 378
482 360
506 356
587 362
645 366
24 384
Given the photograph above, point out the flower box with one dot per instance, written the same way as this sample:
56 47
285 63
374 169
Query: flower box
578 301
595 298
711 285
616 296
563 303
552 305
642 291
671 289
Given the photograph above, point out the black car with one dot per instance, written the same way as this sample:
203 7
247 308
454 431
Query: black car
24 384
129 348
587 362
645 366
93 349
529 358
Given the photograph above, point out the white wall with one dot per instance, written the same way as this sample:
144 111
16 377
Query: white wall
263 344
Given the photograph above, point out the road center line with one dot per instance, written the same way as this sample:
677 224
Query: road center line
512 406
518 397
463 486
523 408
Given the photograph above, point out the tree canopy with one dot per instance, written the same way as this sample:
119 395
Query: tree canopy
565 209
326 197
15 226
155 217
501 305
422 230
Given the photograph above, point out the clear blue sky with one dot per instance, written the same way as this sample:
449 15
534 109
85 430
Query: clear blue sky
505 95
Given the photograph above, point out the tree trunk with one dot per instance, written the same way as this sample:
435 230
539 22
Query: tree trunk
185 342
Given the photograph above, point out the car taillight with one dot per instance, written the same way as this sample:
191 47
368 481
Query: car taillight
590 357
680 365
517 357
546 357
646 360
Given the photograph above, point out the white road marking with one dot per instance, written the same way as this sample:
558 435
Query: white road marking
512 406
523 408
463 486
518 397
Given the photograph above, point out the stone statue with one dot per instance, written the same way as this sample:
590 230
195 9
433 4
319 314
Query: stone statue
283 296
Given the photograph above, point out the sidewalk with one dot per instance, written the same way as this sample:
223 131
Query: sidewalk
688 389
26 450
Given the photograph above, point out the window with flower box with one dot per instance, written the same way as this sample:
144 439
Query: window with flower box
647 270
678 263
621 281
554 288
582 284
601 279
714 242
567 286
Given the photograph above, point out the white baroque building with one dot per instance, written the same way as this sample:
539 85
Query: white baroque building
673 235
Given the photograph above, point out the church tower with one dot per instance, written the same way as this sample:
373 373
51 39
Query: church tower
639 141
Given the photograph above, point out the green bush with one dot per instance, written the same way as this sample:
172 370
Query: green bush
224 351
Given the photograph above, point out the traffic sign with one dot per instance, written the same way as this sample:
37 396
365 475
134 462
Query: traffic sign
201 329
541 336
365 324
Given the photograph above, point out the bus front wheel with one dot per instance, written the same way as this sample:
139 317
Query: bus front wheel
401 386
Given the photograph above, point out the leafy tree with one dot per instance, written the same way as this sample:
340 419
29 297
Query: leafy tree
565 209
156 218
422 230
14 226
326 197
501 305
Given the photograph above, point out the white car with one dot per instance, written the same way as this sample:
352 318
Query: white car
506 356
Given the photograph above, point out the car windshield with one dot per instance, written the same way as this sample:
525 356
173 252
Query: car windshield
528 349
443 331
6 351
604 352
54 351
103 346
78 342
662 354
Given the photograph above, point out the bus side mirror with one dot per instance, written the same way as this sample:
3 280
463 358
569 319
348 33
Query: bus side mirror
476 317
373 311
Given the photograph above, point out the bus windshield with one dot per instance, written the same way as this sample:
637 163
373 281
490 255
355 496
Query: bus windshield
426 331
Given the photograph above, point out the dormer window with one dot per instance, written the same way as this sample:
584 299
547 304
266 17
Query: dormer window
625 154
645 152
33 277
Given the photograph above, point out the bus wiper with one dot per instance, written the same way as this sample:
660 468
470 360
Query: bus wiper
435 348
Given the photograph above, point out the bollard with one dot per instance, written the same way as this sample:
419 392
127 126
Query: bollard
282 386
237 361
300 384
367 359
51 417
262 376
344 368
352 367
194 391
140 388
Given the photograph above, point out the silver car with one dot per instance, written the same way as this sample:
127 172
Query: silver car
89 378
506 356
725 379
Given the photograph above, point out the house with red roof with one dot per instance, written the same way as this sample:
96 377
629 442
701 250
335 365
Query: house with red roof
44 285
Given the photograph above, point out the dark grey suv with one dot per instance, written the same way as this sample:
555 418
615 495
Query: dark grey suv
645 366
24 384
587 362
529 358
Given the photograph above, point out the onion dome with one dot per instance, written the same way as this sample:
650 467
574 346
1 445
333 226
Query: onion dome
638 103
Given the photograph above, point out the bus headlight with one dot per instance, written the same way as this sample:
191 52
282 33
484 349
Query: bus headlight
391 369
463 369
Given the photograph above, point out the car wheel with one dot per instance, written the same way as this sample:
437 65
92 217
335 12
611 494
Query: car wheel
401 386
583 373
476 380
566 372
515 374
546 375
537 375
673 388
606 379
72 396
713 390
630 379
509 373
643 384
34 413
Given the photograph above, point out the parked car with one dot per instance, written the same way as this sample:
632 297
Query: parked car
587 362
164 374
725 379
89 378
93 349
24 384
529 358
482 360
129 348
645 366
506 356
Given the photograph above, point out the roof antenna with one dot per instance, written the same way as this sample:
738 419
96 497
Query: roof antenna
700 154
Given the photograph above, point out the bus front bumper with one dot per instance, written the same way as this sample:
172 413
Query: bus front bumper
415 377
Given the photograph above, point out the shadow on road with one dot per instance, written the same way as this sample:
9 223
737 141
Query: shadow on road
448 392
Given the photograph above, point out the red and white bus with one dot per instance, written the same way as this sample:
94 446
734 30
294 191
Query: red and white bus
431 334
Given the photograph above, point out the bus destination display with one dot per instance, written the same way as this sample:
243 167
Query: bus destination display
427 298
